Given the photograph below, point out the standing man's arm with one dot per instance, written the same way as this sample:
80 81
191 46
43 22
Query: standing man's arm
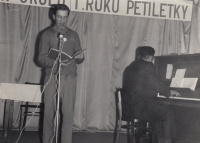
43 59
79 58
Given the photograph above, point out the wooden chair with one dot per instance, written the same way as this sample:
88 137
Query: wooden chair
134 126
30 109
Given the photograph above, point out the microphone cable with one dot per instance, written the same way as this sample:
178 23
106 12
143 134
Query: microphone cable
33 113
62 39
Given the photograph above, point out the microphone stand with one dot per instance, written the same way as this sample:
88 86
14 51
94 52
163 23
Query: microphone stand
61 43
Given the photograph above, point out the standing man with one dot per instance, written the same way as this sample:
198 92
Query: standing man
68 75
142 83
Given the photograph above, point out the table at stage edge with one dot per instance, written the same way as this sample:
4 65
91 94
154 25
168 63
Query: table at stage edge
17 92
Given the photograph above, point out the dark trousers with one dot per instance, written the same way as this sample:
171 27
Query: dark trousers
164 124
67 97
161 116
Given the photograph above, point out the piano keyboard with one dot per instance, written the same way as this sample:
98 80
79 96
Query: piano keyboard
182 98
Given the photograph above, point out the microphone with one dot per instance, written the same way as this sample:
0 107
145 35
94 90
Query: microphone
61 41
62 38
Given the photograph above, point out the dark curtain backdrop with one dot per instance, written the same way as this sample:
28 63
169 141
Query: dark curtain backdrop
110 43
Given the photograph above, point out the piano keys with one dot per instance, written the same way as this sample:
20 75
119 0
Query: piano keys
179 101
179 98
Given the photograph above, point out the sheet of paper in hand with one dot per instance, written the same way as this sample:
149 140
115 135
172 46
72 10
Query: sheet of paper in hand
53 54
78 53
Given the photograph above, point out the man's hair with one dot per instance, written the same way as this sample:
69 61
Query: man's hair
145 51
60 7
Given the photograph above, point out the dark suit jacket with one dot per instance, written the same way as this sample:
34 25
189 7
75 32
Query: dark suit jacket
142 84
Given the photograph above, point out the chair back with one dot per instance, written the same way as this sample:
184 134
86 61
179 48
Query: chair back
124 103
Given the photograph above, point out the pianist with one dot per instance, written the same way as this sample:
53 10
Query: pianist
141 81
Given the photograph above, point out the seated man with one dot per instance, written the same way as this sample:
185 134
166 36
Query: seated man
141 81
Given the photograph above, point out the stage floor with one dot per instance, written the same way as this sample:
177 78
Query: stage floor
78 137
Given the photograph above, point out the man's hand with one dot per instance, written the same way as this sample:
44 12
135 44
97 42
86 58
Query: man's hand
80 56
65 63
174 93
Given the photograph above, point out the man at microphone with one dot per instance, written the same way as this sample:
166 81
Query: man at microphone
68 75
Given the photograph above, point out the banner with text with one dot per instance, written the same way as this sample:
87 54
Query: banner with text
168 9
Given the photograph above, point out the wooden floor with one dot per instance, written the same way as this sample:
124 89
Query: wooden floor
78 137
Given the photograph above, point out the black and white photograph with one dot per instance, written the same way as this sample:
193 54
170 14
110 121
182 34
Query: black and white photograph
99 71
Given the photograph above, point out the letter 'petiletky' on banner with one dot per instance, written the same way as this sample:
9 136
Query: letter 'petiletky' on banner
168 9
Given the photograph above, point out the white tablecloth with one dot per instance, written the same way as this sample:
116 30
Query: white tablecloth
20 92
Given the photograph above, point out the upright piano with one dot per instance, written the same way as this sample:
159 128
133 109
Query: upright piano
187 106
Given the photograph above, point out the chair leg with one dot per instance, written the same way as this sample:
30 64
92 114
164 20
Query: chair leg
21 119
132 132
25 116
118 130
153 139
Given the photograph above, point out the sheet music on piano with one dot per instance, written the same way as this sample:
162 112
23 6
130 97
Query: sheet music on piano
183 85
180 82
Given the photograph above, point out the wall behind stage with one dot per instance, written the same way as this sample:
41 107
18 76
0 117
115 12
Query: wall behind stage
110 43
